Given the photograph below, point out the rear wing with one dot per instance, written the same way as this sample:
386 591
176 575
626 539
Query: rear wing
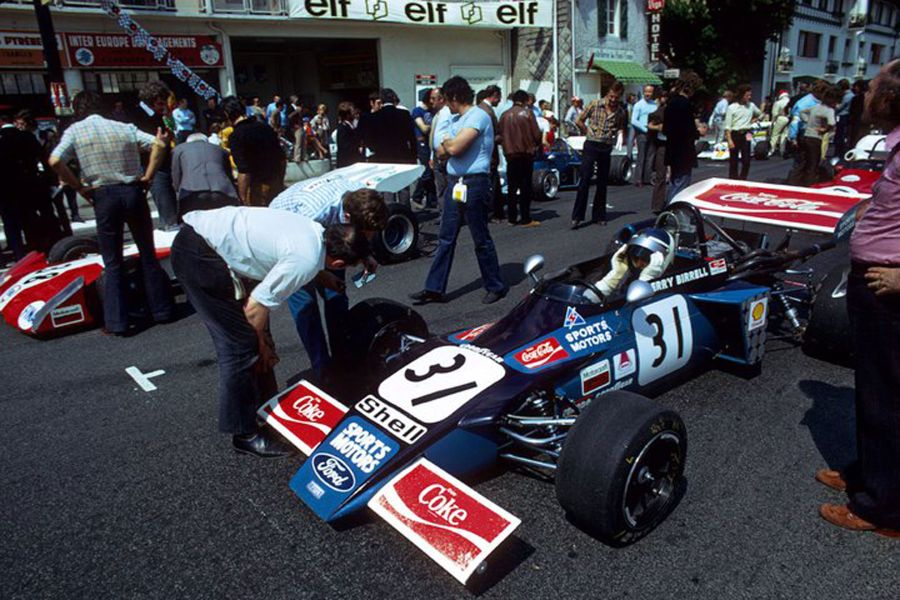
784 206
381 177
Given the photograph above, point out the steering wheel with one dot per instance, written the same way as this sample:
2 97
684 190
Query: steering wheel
590 286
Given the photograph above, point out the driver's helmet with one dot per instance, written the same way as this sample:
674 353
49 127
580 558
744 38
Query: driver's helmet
642 246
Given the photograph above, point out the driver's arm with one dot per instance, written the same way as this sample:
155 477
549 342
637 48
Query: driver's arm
655 268
618 269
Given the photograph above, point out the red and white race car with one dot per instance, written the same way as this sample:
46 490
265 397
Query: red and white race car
58 293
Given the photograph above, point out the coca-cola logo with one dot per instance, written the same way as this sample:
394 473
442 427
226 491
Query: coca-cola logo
333 472
309 407
545 351
441 500
773 201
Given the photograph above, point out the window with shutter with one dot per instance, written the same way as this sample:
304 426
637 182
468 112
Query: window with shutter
602 17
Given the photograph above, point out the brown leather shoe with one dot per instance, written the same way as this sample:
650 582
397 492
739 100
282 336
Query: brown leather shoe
832 479
840 515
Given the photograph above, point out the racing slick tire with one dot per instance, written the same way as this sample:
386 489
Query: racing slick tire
72 248
544 185
761 150
620 169
827 334
399 240
373 333
619 474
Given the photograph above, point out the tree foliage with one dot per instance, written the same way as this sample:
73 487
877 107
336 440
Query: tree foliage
723 40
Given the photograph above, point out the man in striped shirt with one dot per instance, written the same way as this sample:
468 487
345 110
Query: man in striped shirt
329 200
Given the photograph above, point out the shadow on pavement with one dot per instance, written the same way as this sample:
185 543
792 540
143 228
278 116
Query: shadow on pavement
831 421
511 273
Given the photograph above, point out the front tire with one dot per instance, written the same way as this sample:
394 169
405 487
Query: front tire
373 333
72 248
621 467
620 169
399 240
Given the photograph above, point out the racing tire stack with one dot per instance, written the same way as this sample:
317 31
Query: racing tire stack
399 240
544 185
623 450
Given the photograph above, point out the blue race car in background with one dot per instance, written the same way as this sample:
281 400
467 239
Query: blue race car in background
559 384
560 169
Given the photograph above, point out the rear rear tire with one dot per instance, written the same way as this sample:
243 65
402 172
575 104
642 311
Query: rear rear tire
544 185
72 248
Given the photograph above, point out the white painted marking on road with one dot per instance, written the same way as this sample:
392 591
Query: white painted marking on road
143 379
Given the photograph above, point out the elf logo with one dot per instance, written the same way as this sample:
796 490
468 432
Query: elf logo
328 8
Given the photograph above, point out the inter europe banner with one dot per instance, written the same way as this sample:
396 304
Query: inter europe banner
497 15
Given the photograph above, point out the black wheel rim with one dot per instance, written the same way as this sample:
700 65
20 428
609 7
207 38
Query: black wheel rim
652 479
398 235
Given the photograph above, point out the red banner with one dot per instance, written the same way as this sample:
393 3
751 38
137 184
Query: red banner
117 50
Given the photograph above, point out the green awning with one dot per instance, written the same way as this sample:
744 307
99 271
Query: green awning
627 71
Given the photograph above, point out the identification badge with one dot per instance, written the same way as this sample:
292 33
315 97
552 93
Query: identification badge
459 192
362 278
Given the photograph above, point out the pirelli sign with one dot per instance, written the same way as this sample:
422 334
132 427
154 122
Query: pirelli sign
496 15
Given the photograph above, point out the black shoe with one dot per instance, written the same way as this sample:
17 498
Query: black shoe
262 445
426 296
575 224
492 297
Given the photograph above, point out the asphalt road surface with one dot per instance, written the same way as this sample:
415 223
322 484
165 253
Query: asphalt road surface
109 491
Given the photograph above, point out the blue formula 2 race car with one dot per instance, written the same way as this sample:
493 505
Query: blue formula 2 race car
560 384
560 169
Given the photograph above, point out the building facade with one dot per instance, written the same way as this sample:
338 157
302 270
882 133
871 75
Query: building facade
264 47
821 45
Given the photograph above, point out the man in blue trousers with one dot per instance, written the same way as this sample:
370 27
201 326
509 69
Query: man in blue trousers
329 200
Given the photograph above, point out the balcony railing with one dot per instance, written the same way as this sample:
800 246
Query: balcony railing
831 67
252 7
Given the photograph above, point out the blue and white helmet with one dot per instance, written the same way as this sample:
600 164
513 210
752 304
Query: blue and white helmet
644 244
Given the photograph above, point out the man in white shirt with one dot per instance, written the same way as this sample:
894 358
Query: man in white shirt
739 119
212 255
571 119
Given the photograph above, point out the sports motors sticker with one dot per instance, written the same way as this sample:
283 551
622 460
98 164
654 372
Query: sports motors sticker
303 414
595 377
453 524
759 309
573 319
345 460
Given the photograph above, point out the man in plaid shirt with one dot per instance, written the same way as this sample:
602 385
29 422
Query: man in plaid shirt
112 180
601 122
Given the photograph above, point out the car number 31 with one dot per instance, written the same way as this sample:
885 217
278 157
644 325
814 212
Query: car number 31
664 337
440 382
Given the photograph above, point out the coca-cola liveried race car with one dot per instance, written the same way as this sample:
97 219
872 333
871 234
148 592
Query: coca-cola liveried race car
60 292
559 384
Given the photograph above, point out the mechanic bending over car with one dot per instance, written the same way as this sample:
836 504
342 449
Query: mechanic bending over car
329 200
211 255
645 257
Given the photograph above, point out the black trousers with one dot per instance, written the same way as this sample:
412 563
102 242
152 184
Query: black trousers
204 201
497 199
658 177
519 170
594 155
114 207
874 480
210 290
739 154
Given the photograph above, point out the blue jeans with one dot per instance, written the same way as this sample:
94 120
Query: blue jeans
304 307
114 207
164 196
477 207
678 183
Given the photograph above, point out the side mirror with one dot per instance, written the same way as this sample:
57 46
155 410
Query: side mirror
638 290
533 264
